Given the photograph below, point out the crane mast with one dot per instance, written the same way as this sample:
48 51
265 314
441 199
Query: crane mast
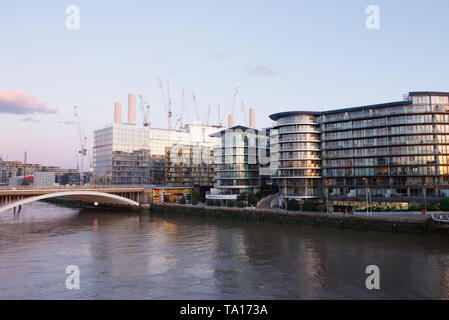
164 101
196 107
220 122
83 150
170 113
234 100
244 113
145 106
209 111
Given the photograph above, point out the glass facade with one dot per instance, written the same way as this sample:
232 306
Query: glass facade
298 157
128 154
239 161
189 165
390 151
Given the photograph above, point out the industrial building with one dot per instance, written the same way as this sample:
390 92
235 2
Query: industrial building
125 153
389 154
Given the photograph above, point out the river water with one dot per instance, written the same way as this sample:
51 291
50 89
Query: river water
123 255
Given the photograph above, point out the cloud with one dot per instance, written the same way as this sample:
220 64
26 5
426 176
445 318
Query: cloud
30 120
219 55
66 122
21 103
261 70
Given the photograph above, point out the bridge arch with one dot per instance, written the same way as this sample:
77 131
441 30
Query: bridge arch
85 196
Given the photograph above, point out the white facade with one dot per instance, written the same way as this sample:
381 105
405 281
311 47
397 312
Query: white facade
125 154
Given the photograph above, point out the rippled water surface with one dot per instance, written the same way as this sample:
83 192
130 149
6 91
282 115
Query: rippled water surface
124 255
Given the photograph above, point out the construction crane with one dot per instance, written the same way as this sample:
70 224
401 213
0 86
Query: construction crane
196 107
234 99
167 108
145 107
180 119
244 113
209 111
170 113
220 122
83 152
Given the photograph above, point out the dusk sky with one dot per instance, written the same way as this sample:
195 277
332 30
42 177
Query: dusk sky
284 55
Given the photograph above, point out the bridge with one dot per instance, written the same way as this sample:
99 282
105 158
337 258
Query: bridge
124 196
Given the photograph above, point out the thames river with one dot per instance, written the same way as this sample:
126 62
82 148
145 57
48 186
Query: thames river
124 255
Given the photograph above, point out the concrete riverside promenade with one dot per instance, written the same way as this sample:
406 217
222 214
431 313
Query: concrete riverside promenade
406 222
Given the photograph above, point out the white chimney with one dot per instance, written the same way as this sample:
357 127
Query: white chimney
132 108
252 118
118 112
230 120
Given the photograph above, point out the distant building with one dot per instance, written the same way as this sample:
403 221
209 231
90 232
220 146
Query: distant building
44 178
9 170
240 161
129 154
189 166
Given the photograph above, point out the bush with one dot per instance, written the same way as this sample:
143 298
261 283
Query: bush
196 196
444 204
252 199
230 203
308 206
217 202
210 202
240 204
183 200
293 205
265 191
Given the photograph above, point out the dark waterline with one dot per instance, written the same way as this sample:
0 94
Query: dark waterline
136 256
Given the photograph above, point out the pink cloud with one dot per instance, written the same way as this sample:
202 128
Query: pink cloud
21 103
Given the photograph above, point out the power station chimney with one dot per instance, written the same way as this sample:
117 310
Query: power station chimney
132 108
118 112
230 120
252 118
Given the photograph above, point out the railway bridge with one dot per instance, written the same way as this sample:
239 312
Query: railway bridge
128 196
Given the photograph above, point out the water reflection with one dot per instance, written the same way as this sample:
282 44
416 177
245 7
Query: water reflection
127 256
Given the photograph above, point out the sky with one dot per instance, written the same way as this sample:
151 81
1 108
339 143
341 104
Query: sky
283 55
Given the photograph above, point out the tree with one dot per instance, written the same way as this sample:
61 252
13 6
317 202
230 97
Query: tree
252 199
308 206
196 196
293 205
444 204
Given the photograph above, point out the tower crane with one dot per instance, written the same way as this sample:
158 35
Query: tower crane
220 122
145 107
209 111
180 118
244 113
170 113
234 99
196 106
83 152
164 101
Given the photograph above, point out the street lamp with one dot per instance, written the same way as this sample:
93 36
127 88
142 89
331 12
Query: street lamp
425 200
366 194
